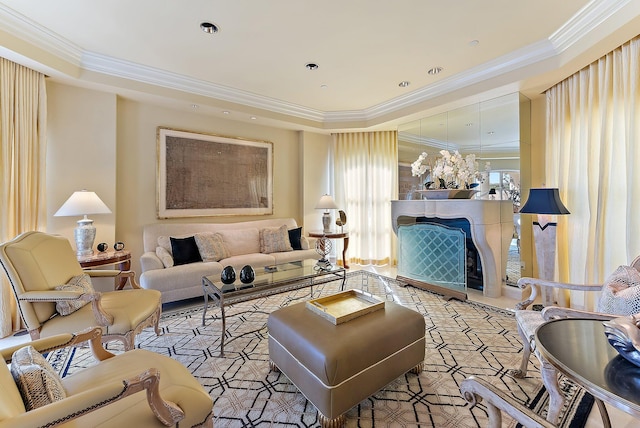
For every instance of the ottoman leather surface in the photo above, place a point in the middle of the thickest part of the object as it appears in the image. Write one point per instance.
(337, 366)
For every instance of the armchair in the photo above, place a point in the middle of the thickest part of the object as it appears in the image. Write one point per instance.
(475, 390)
(528, 321)
(110, 393)
(37, 263)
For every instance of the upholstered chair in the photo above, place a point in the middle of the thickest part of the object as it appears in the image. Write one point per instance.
(137, 388)
(55, 295)
(475, 390)
(528, 321)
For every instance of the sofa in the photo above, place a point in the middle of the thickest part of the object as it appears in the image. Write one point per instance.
(177, 255)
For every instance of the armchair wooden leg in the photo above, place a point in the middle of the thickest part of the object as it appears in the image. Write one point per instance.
(526, 353)
(550, 381)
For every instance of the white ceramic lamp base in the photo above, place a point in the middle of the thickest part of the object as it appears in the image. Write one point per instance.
(84, 235)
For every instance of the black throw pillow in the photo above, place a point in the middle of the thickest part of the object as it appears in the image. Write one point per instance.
(185, 251)
(294, 238)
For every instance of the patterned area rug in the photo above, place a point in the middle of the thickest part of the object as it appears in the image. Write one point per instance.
(463, 339)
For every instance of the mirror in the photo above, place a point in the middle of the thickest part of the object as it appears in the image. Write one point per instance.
(492, 130)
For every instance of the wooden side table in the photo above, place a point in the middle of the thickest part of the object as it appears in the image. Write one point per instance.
(335, 235)
(122, 260)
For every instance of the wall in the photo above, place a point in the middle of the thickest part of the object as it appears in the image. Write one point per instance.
(108, 144)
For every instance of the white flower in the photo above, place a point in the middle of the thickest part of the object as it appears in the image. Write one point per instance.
(454, 170)
(417, 168)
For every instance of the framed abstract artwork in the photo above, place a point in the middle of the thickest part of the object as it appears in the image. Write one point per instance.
(202, 174)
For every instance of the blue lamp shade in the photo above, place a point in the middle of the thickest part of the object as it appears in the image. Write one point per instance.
(544, 201)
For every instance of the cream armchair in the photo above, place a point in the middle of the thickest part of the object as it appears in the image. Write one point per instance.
(36, 263)
(528, 321)
(134, 389)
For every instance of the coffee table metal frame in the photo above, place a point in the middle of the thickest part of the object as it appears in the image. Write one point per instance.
(270, 280)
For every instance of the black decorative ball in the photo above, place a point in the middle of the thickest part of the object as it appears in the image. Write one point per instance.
(118, 246)
(102, 247)
(247, 274)
(228, 275)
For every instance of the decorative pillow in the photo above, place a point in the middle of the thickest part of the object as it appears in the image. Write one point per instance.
(165, 242)
(294, 238)
(211, 246)
(81, 283)
(38, 382)
(274, 240)
(241, 241)
(165, 256)
(621, 292)
(184, 250)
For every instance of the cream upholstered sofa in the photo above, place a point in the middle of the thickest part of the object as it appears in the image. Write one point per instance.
(241, 245)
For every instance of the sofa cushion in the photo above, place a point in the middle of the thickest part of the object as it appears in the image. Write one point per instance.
(211, 246)
(294, 238)
(241, 241)
(184, 250)
(38, 382)
(165, 256)
(80, 283)
(274, 240)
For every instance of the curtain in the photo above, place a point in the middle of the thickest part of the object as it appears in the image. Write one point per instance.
(593, 157)
(22, 165)
(366, 180)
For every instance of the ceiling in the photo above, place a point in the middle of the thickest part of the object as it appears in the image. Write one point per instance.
(254, 66)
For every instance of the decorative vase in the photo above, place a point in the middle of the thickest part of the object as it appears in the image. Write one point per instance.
(228, 275)
(102, 247)
(247, 274)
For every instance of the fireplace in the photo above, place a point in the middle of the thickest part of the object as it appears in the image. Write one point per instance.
(487, 226)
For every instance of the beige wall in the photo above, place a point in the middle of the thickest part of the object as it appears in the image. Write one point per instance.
(81, 154)
(108, 144)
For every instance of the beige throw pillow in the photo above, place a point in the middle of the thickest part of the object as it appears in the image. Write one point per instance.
(38, 382)
(275, 240)
(80, 283)
(165, 256)
(211, 246)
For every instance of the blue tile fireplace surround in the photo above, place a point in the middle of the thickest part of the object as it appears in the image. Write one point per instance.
(451, 244)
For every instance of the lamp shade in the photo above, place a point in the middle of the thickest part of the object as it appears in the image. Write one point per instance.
(544, 201)
(326, 202)
(82, 202)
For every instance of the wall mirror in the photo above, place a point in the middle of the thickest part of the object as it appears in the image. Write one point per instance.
(492, 130)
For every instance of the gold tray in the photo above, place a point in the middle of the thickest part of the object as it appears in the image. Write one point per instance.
(345, 306)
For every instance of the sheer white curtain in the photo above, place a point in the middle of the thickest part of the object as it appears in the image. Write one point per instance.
(23, 106)
(593, 157)
(366, 180)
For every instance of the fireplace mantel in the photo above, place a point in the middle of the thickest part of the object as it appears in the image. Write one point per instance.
(491, 225)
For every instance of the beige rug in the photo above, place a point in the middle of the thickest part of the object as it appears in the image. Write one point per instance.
(463, 339)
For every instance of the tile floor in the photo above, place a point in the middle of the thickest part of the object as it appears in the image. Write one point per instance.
(618, 418)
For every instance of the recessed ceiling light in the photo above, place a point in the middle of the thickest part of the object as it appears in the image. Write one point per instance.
(194, 106)
(490, 132)
(468, 124)
(253, 118)
(312, 66)
(435, 70)
(225, 112)
(324, 86)
(208, 27)
(404, 84)
(474, 42)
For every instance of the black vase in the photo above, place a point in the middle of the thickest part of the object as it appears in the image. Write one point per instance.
(228, 275)
(247, 274)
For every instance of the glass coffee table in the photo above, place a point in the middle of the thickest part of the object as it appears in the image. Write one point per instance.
(269, 280)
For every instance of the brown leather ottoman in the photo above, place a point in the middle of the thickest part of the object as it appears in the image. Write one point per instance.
(337, 366)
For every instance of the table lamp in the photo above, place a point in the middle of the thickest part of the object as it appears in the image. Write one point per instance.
(546, 203)
(83, 203)
(326, 203)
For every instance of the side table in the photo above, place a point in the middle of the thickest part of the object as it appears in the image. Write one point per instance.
(335, 235)
(122, 260)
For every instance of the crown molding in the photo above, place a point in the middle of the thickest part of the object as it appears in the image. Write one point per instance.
(594, 13)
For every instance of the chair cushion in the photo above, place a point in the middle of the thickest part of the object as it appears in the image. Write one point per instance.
(529, 321)
(274, 240)
(211, 246)
(80, 283)
(621, 292)
(37, 381)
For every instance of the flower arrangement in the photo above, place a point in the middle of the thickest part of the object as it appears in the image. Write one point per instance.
(454, 171)
(417, 168)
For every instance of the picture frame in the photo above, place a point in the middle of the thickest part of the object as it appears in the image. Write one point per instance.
(200, 174)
